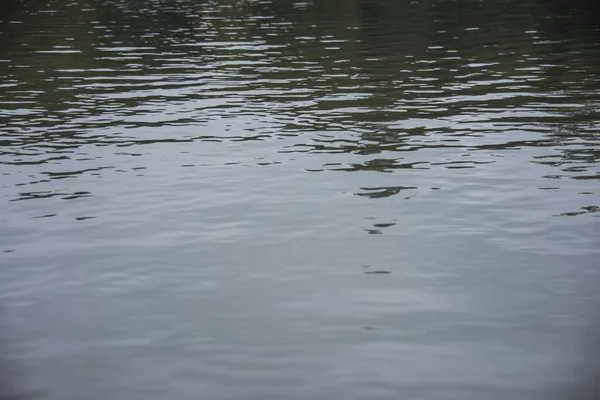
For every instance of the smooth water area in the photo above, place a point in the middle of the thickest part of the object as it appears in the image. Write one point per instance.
(345, 199)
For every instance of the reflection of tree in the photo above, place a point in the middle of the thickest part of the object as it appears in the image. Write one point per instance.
(10, 10)
(573, 137)
(380, 192)
(376, 76)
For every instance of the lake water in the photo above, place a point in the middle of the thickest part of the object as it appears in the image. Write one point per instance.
(345, 199)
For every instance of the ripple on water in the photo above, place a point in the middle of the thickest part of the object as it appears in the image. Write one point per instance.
(188, 191)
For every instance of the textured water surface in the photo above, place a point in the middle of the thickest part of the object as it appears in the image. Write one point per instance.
(271, 199)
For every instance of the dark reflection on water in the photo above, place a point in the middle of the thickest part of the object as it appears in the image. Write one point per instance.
(275, 199)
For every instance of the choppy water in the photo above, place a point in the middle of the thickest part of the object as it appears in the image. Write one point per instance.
(298, 200)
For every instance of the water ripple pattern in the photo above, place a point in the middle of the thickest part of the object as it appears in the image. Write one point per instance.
(271, 199)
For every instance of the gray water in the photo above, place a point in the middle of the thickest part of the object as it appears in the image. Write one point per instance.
(367, 199)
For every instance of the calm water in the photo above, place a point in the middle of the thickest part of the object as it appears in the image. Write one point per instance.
(272, 199)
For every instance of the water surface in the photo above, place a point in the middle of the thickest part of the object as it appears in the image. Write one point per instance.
(271, 199)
